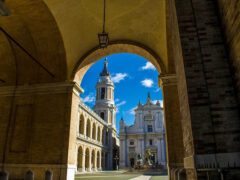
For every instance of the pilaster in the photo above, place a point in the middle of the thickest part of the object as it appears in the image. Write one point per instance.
(172, 121)
(51, 109)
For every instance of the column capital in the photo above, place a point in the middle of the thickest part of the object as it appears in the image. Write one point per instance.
(167, 80)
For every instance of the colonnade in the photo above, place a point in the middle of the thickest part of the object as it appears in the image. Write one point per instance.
(91, 159)
(93, 129)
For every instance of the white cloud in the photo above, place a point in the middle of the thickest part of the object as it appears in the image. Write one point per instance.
(157, 90)
(131, 111)
(147, 82)
(160, 101)
(118, 77)
(116, 100)
(118, 105)
(89, 98)
(148, 65)
(121, 103)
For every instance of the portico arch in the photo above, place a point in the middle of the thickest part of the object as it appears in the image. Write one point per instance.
(80, 158)
(174, 135)
(66, 45)
(120, 46)
(87, 158)
(93, 160)
(98, 160)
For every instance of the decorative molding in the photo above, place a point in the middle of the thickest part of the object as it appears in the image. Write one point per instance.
(167, 80)
(220, 160)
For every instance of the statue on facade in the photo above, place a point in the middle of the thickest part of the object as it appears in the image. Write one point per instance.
(148, 155)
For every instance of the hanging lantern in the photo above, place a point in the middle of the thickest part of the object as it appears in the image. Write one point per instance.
(103, 37)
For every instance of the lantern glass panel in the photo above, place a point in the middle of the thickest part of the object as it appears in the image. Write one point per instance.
(103, 39)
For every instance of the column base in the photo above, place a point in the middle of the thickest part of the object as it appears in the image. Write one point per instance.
(177, 173)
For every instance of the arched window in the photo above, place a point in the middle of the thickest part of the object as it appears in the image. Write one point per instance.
(102, 93)
(88, 128)
(94, 131)
(98, 134)
(103, 136)
(102, 115)
(106, 137)
(87, 159)
(93, 159)
(81, 125)
(80, 158)
(98, 160)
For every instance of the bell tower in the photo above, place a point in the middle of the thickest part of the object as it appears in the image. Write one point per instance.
(104, 105)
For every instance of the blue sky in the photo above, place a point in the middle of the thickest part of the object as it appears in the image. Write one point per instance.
(133, 77)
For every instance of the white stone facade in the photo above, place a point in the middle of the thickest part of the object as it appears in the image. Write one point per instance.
(147, 132)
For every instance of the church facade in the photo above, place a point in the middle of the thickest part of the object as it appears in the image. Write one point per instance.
(97, 142)
(147, 132)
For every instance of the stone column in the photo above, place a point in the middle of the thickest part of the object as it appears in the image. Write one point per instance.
(172, 120)
(159, 150)
(95, 163)
(100, 159)
(83, 160)
(103, 160)
(90, 160)
(122, 152)
(100, 135)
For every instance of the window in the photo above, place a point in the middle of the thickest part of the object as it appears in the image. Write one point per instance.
(150, 142)
(150, 129)
(102, 115)
(102, 93)
(131, 142)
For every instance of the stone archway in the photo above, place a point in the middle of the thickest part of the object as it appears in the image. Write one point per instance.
(87, 159)
(80, 159)
(174, 30)
(168, 83)
(98, 160)
(93, 160)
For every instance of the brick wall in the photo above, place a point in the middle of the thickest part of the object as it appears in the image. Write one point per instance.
(211, 96)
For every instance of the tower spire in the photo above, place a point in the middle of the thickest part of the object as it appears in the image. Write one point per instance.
(149, 100)
(139, 103)
(105, 71)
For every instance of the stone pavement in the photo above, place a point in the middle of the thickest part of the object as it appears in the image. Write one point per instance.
(118, 175)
